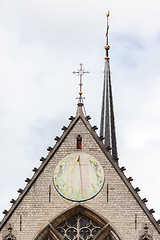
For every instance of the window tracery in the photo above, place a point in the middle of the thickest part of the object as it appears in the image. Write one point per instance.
(79, 227)
(83, 224)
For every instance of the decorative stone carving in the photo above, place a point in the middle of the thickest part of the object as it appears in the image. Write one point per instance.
(9, 235)
(79, 227)
(145, 235)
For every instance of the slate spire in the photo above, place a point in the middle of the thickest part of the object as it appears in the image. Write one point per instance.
(107, 124)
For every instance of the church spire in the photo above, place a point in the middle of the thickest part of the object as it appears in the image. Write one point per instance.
(107, 125)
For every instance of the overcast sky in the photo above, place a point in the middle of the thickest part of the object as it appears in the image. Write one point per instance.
(41, 43)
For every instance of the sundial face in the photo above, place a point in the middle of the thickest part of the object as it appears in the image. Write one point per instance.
(78, 177)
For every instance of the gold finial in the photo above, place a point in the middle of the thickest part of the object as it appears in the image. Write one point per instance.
(108, 14)
(107, 47)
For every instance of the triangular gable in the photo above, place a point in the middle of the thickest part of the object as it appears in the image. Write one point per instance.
(91, 129)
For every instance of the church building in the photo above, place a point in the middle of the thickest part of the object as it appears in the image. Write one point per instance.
(79, 192)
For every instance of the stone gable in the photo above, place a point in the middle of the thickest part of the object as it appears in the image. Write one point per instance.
(115, 202)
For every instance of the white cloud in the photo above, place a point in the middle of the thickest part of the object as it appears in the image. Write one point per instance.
(41, 43)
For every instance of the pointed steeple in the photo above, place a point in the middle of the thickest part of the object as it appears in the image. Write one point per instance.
(107, 125)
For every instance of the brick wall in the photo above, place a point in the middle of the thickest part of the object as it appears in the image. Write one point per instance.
(120, 210)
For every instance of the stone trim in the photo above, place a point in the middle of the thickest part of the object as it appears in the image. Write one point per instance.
(50, 228)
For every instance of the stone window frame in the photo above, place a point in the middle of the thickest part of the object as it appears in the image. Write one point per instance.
(50, 231)
(79, 142)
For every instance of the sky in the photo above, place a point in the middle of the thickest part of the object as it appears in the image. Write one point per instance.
(41, 43)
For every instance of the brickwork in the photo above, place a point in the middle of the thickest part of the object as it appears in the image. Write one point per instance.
(120, 210)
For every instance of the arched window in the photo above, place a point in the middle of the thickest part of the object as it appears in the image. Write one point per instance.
(79, 227)
(79, 142)
(78, 223)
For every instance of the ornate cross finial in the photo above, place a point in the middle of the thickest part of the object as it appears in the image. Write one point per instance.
(107, 15)
(9, 234)
(107, 47)
(10, 228)
(146, 235)
(80, 73)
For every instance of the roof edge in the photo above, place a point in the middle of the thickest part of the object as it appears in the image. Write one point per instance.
(91, 129)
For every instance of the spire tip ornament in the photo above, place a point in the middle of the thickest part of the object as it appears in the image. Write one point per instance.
(80, 73)
(107, 47)
(108, 14)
